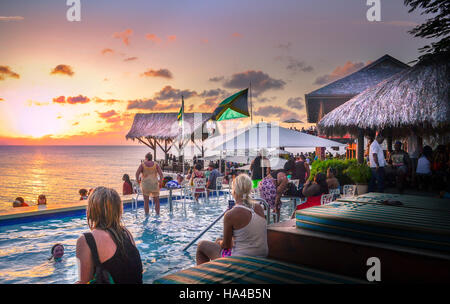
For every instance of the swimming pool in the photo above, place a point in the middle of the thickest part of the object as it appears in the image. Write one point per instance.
(25, 248)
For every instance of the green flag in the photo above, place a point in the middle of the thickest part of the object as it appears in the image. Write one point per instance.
(180, 115)
(235, 106)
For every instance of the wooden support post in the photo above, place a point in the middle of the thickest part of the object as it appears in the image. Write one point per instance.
(360, 154)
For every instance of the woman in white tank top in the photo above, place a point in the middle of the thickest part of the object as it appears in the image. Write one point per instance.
(244, 228)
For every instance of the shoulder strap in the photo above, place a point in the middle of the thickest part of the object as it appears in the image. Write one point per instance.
(91, 243)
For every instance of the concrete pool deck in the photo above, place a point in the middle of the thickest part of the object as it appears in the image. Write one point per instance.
(35, 212)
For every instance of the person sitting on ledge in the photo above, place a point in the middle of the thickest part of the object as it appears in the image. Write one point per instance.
(127, 187)
(20, 202)
(332, 181)
(244, 228)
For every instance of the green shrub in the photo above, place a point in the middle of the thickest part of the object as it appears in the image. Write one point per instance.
(338, 164)
(358, 173)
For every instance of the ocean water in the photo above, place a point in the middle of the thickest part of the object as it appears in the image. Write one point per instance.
(60, 171)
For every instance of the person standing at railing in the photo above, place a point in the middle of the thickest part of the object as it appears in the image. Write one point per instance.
(244, 228)
(149, 183)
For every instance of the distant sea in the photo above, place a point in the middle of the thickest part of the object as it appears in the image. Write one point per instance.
(60, 171)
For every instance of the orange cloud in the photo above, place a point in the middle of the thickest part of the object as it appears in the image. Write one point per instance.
(165, 73)
(107, 101)
(236, 35)
(130, 59)
(153, 37)
(11, 18)
(125, 36)
(62, 69)
(5, 71)
(106, 51)
(1, 99)
(71, 100)
(339, 72)
(171, 38)
(107, 114)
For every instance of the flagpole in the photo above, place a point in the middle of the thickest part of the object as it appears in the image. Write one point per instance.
(182, 129)
(251, 104)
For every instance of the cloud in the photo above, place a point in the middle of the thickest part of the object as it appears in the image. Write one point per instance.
(71, 100)
(296, 103)
(216, 79)
(107, 101)
(287, 46)
(260, 81)
(130, 59)
(280, 112)
(236, 35)
(296, 66)
(173, 95)
(153, 38)
(125, 36)
(75, 123)
(5, 71)
(1, 99)
(106, 51)
(107, 114)
(204, 40)
(172, 38)
(150, 104)
(11, 18)
(164, 73)
(339, 72)
(62, 69)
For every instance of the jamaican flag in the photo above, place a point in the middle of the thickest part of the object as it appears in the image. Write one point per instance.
(235, 106)
(180, 115)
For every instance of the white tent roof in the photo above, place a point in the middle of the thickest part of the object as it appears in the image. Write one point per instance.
(265, 135)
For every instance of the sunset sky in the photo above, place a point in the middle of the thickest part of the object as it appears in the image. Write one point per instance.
(82, 82)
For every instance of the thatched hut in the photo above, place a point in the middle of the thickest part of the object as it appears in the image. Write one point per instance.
(162, 129)
(415, 101)
(325, 99)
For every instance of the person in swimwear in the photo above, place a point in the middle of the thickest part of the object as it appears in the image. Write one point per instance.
(244, 228)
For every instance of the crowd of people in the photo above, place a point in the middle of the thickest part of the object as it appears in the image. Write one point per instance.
(423, 170)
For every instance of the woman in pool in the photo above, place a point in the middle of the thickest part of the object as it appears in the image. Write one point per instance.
(42, 200)
(149, 183)
(109, 241)
(197, 173)
(19, 202)
(57, 252)
(244, 228)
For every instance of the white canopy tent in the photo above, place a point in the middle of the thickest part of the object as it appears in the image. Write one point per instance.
(265, 136)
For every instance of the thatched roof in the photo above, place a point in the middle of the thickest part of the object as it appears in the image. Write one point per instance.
(414, 100)
(164, 125)
(332, 95)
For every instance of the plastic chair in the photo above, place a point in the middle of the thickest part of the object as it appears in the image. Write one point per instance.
(219, 188)
(326, 198)
(349, 190)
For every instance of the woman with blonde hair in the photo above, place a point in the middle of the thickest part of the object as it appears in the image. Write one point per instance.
(244, 228)
(109, 249)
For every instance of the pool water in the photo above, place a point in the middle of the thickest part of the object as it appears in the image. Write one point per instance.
(25, 248)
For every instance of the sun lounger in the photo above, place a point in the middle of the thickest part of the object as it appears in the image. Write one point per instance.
(251, 270)
(411, 227)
